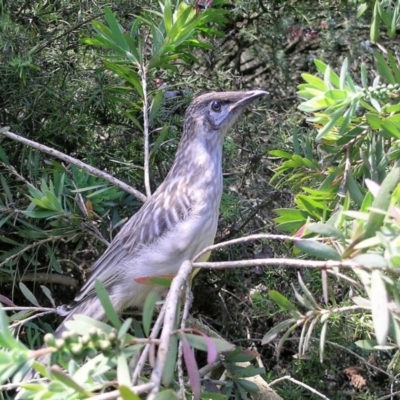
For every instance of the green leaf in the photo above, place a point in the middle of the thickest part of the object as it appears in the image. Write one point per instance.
(364, 76)
(337, 94)
(168, 394)
(343, 73)
(123, 373)
(170, 364)
(383, 68)
(248, 385)
(318, 83)
(382, 202)
(47, 293)
(391, 127)
(394, 66)
(280, 153)
(127, 394)
(156, 105)
(40, 214)
(333, 77)
(148, 311)
(334, 118)
(325, 230)
(367, 344)
(6, 189)
(376, 22)
(322, 340)
(284, 303)
(370, 260)
(317, 249)
(117, 35)
(160, 139)
(315, 104)
(200, 343)
(273, 333)
(167, 15)
(380, 307)
(241, 355)
(28, 294)
(361, 9)
(107, 305)
(213, 396)
(354, 190)
(125, 73)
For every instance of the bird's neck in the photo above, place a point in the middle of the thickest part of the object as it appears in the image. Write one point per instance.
(198, 166)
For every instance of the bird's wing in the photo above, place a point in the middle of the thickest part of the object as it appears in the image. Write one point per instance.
(156, 217)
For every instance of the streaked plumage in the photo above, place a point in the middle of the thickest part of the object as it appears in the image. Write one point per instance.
(178, 220)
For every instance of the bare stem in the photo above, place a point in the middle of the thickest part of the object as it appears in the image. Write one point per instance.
(288, 262)
(88, 168)
(171, 304)
(309, 388)
(146, 132)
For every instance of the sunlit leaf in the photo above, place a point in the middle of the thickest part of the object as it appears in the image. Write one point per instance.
(380, 310)
(318, 249)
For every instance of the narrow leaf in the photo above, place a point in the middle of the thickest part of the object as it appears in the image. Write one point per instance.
(107, 305)
(28, 294)
(317, 249)
(380, 310)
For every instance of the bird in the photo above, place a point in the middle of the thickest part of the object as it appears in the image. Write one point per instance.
(178, 221)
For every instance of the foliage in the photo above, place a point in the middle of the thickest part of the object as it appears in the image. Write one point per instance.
(347, 179)
(55, 91)
(108, 353)
(385, 12)
(70, 201)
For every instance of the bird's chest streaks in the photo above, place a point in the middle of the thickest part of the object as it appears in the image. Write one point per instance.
(166, 255)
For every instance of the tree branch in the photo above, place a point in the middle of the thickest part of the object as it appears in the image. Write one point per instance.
(88, 168)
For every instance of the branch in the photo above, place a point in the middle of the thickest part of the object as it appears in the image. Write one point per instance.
(116, 394)
(43, 277)
(146, 131)
(171, 303)
(154, 334)
(259, 236)
(88, 168)
(288, 262)
(289, 378)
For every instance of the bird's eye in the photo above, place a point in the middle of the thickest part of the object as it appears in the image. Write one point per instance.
(216, 106)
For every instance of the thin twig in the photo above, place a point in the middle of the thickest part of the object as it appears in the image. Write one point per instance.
(34, 244)
(146, 131)
(47, 42)
(45, 278)
(171, 303)
(115, 394)
(209, 368)
(42, 309)
(259, 236)
(288, 262)
(369, 365)
(185, 314)
(88, 168)
(289, 378)
(143, 357)
(16, 324)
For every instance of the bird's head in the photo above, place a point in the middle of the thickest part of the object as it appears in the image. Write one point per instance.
(215, 113)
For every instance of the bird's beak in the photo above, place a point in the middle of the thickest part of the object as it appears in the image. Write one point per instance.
(247, 98)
